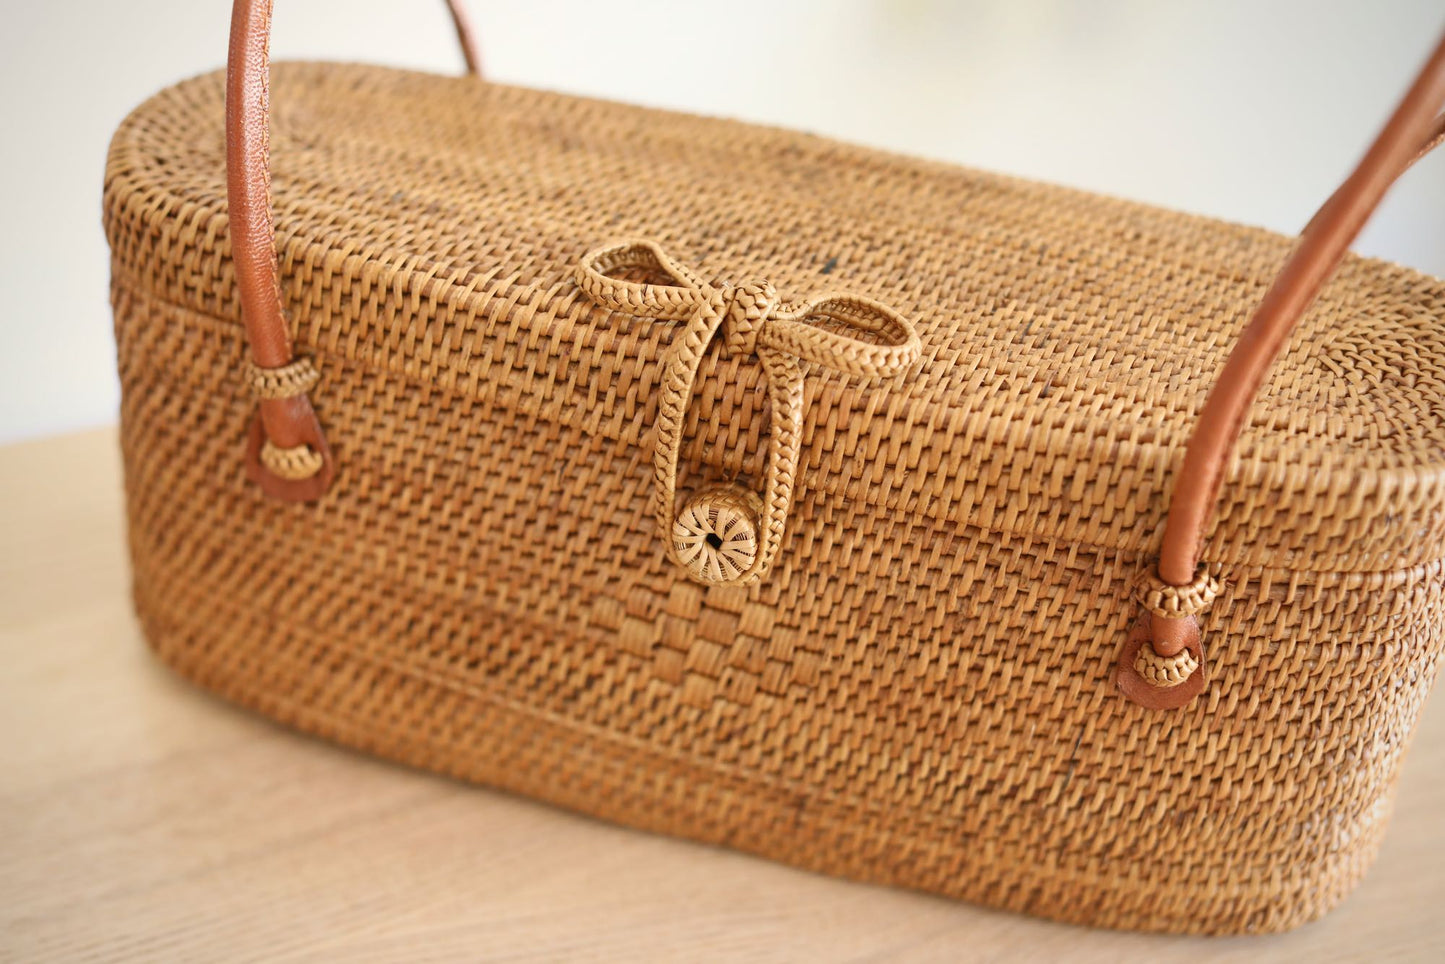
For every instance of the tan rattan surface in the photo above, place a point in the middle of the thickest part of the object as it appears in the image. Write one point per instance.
(918, 692)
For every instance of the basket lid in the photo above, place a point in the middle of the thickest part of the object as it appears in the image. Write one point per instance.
(433, 225)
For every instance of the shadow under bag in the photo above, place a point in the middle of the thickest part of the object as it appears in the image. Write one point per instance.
(880, 516)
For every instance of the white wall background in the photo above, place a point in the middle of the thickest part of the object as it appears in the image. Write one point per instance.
(1250, 110)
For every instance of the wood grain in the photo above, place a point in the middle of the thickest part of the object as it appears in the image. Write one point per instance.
(141, 819)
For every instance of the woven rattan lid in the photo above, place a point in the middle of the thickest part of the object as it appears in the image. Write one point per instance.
(432, 226)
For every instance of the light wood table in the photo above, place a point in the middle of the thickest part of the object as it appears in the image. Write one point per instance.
(140, 818)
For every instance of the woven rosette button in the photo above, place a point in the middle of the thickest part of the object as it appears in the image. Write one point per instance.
(715, 534)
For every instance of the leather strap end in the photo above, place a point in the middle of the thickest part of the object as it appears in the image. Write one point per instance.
(288, 424)
(1168, 637)
(286, 453)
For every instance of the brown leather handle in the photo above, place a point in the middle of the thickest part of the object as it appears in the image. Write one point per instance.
(288, 455)
(1412, 131)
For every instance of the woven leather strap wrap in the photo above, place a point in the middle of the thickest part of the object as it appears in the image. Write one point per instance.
(287, 381)
(295, 463)
(1176, 602)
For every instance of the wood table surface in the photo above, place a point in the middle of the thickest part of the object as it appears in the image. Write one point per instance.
(143, 819)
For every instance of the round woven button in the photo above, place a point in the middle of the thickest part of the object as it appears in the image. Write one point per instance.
(715, 534)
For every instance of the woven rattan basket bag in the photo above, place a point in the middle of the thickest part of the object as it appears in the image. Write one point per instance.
(891, 519)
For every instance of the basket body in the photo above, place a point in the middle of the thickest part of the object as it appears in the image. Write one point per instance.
(919, 693)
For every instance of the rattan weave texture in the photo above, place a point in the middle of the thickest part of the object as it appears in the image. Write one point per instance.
(918, 692)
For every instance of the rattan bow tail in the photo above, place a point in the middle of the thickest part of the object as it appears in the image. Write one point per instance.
(728, 533)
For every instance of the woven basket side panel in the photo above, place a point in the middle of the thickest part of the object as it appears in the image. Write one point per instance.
(904, 700)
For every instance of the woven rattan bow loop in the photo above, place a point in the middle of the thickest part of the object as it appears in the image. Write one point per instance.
(727, 533)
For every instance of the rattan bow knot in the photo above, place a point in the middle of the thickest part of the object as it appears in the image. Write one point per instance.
(721, 539)
(748, 307)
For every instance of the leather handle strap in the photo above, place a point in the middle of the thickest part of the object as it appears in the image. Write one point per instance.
(1433, 139)
(1436, 138)
(1412, 131)
(288, 454)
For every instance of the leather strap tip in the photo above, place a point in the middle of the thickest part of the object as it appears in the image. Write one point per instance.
(295, 476)
(1150, 694)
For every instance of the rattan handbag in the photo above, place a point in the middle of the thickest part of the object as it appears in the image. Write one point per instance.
(931, 560)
